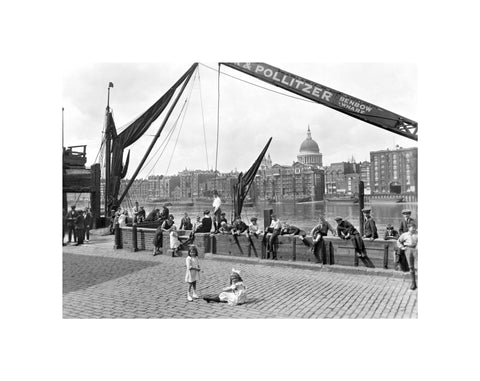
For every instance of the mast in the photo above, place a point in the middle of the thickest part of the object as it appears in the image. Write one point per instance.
(108, 143)
(157, 135)
(63, 144)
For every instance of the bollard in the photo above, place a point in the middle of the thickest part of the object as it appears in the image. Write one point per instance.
(385, 257)
(134, 237)
(332, 254)
(294, 249)
(323, 249)
(118, 237)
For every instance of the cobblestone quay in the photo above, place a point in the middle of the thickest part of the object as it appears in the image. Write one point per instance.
(101, 282)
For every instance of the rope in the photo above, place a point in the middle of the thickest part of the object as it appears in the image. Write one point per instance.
(203, 118)
(185, 105)
(262, 87)
(166, 140)
(178, 135)
(218, 122)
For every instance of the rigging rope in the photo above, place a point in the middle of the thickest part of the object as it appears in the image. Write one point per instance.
(253, 84)
(218, 122)
(203, 118)
(168, 137)
(178, 135)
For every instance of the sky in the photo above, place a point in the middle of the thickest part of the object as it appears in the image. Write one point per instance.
(247, 114)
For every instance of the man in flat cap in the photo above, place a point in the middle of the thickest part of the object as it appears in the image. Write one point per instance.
(71, 218)
(275, 228)
(253, 228)
(346, 230)
(369, 227)
(317, 233)
(407, 242)
(407, 219)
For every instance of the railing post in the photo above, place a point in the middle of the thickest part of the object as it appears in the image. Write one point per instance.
(134, 237)
(118, 237)
(385, 257)
(294, 249)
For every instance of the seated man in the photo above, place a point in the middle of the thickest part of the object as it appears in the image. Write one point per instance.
(253, 228)
(369, 227)
(223, 218)
(318, 232)
(288, 229)
(275, 228)
(141, 215)
(346, 230)
(225, 228)
(186, 223)
(238, 226)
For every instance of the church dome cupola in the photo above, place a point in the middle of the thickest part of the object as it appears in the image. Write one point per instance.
(309, 151)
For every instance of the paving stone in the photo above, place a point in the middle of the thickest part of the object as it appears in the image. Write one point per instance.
(101, 282)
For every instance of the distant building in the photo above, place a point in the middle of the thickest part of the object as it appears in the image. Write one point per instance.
(342, 179)
(194, 184)
(309, 152)
(223, 184)
(304, 179)
(394, 171)
(365, 169)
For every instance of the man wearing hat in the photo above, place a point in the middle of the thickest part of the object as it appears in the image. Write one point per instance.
(80, 227)
(407, 242)
(346, 230)
(223, 218)
(71, 217)
(253, 228)
(407, 219)
(317, 233)
(276, 228)
(238, 226)
(369, 227)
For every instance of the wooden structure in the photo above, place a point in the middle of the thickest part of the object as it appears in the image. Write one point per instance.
(79, 179)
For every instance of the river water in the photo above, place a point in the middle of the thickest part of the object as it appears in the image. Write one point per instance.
(303, 215)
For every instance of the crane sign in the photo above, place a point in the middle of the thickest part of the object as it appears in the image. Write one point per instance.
(329, 97)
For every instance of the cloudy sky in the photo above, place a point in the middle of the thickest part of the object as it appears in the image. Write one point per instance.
(248, 114)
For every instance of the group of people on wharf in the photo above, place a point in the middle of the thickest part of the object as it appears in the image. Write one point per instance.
(77, 224)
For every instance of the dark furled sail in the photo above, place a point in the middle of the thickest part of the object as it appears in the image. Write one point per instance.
(130, 135)
(241, 188)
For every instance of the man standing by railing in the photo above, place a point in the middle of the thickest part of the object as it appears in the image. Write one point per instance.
(408, 243)
(71, 218)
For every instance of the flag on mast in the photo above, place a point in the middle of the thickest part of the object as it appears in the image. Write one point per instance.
(110, 84)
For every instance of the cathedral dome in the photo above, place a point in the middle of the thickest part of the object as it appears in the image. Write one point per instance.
(309, 145)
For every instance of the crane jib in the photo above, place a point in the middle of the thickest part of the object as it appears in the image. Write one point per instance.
(337, 100)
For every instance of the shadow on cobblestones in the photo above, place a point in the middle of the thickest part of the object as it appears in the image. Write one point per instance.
(82, 271)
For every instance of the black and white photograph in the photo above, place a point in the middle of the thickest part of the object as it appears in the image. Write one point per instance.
(243, 186)
(240, 190)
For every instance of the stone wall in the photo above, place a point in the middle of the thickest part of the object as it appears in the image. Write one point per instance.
(290, 248)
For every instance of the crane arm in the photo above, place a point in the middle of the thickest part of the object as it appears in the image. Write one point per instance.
(329, 97)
